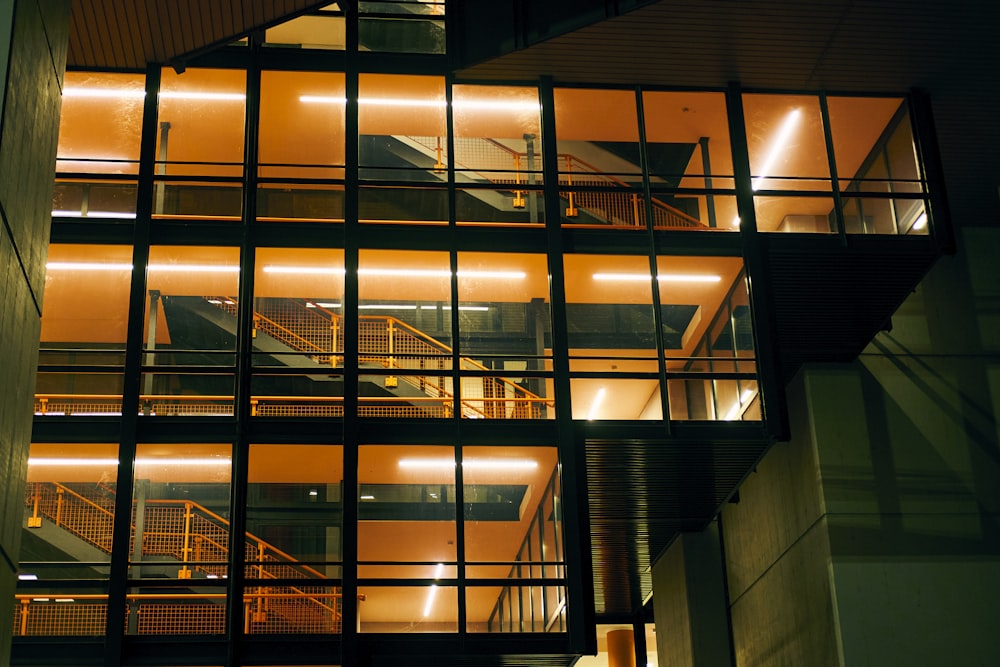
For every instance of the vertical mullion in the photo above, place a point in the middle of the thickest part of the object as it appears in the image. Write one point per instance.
(576, 525)
(351, 434)
(661, 364)
(772, 386)
(120, 552)
(244, 363)
(838, 209)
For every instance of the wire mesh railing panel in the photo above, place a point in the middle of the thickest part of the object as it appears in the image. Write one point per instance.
(286, 610)
(80, 407)
(44, 617)
(292, 408)
(181, 618)
(298, 326)
(83, 510)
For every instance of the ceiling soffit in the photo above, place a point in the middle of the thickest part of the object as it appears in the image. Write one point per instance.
(129, 34)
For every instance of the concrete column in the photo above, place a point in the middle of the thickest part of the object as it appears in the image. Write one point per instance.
(621, 648)
(33, 39)
(689, 605)
(873, 536)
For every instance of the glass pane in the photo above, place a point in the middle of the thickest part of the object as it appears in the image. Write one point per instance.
(181, 501)
(786, 142)
(406, 511)
(397, 115)
(100, 123)
(598, 136)
(609, 304)
(324, 29)
(84, 322)
(314, 610)
(873, 144)
(409, 26)
(201, 114)
(69, 510)
(485, 206)
(407, 205)
(408, 608)
(176, 609)
(687, 140)
(304, 481)
(513, 529)
(298, 329)
(404, 302)
(504, 321)
(44, 611)
(497, 134)
(801, 215)
(301, 124)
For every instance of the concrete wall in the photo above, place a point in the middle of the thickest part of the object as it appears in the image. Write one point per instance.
(33, 38)
(873, 536)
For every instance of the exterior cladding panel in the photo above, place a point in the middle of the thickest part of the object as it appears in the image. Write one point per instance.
(33, 37)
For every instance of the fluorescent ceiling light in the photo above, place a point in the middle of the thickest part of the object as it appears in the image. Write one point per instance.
(784, 133)
(388, 306)
(474, 105)
(734, 412)
(921, 221)
(479, 309)
(117, 215)
(367, 497)
(88, 266)
(196, 461)
(132, 93)
(469, 464)
(121, 266)
(394, 273)
(596, 404)
(27, 577)
(664, 277)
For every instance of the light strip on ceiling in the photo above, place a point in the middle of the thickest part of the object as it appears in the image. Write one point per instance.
(472, 105)
(394, 273)
(121, 266)
(920, 222)
(125, 93)
(734, 412)
(663, 277)
(69, 461)
(468, 464)
(117, 215)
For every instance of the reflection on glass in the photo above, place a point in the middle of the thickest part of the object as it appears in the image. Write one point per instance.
(181, 504)
(84, 321)
(431, 608)
(405, 205)
(100, 123)
(786, 142)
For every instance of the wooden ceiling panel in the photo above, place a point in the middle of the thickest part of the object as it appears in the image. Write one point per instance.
(123, 34)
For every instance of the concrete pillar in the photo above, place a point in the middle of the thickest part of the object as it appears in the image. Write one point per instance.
(689, 605)
(621, 648)
(873, 536)
(33, 40)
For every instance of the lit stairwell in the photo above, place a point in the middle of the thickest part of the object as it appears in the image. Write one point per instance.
(386, 342)
(606, 199)
(179, 539)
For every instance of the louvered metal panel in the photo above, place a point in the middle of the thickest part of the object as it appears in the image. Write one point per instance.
(128, 34)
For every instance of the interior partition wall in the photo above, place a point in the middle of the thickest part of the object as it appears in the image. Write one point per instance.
(316, 338)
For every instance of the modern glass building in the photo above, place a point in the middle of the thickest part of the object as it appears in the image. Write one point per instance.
(348, 356)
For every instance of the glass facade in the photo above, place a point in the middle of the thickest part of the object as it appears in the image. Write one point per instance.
(353, 326)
